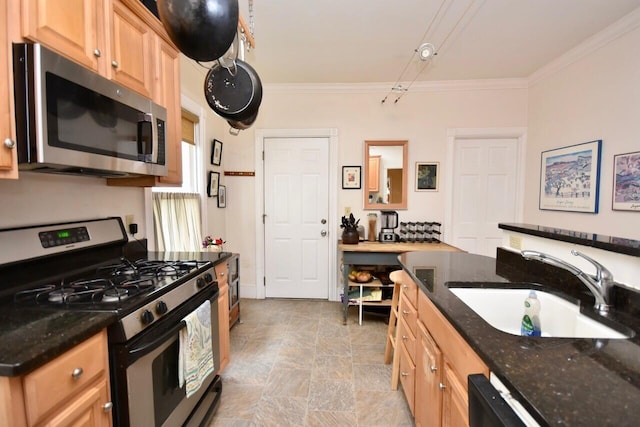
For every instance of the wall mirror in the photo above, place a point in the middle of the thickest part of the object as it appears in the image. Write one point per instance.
(385, 174)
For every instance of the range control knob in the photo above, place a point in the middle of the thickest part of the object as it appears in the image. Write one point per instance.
(146, 317)
(161, 308)
(200, 282)
(208, 278)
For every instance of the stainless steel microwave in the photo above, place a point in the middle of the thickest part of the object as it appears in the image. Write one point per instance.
(71, 120)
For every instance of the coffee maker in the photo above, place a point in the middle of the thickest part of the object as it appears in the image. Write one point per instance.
(388, 224)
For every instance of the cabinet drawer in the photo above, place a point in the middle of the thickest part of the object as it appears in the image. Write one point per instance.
(408, 339)
(407, 377)
(409, 288)
(409, 314)
(55, 382)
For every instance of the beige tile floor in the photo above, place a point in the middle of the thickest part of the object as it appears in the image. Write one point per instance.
(293, 363)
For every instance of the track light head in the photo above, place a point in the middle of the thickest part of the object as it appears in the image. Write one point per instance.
(426, 51)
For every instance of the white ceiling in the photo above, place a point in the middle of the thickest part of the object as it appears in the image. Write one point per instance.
(368, 41)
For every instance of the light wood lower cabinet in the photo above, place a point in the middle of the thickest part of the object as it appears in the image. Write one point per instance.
(428, 379)
(443, 360)
(222, 276)
(71, 390)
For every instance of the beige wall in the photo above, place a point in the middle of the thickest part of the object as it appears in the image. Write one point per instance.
(597, 97)
(37, 198)
(420, 117)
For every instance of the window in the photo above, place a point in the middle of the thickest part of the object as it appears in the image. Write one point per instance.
(176, 210)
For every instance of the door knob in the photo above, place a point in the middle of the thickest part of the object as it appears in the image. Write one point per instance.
(323, 233)
(323, 221)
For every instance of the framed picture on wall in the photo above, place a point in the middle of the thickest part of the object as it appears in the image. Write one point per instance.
(570, 177)
(427, 176)
(626, 182)
(222, 196)
(216, 152)
(351, 177)
(213, 184)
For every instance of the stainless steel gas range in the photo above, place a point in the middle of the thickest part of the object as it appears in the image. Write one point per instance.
(85, 265)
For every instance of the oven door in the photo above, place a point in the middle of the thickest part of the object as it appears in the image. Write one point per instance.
(151, 395)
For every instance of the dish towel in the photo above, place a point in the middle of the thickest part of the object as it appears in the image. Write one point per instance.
(195, 358)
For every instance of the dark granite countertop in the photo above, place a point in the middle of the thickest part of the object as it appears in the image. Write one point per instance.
(30, 337)
(560, 381)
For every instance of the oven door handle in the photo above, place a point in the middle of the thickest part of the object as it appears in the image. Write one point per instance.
(138, 352)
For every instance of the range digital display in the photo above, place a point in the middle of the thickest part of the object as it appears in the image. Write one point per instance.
(53, 238)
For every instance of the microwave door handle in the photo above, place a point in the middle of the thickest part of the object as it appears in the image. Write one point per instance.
(145, 119)
(154, 139)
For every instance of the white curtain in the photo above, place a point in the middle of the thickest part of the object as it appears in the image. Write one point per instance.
(177, 221)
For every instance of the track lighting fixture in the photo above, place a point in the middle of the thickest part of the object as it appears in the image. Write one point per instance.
(426, 51)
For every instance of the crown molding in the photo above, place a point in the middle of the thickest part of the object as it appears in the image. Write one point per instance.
(382, 88)
(619, 28)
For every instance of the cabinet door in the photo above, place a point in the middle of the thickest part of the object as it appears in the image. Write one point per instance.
(131, 55)
(72, 27)
(407, 377)
(8, 160)
(88, 409)
(167, 94)
(455, 405)
(374, 174)
(223, 317)
(428, 397)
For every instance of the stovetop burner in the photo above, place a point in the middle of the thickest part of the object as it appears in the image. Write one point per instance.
(110, 285)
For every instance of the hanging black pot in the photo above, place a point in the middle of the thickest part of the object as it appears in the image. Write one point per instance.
(243, 124)
(233, 96)
(202, 29)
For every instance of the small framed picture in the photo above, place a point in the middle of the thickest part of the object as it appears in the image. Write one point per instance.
(213, 184)
(427, 176)
(626, 182)
(222, 196)
(351, 177)
(570, 178)
(216, 153)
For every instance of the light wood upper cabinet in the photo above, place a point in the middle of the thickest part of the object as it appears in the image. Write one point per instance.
(131, 55)
(8, 158)
(167, 93)
(75, 28)
(374, 174)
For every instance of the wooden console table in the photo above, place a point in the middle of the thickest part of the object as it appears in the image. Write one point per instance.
(377, 253)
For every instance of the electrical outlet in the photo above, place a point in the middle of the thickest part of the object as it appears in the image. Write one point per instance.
(515, 242)
(347, 210)
(129, 219)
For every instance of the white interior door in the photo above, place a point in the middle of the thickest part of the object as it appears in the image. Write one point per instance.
(484, 192)
(296, 200)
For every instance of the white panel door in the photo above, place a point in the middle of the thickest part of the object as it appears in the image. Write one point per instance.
(484, 192)
(296, 181)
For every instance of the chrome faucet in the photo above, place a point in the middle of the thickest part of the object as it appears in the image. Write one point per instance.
(600, 285)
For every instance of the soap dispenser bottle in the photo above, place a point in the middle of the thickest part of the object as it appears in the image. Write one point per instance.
(531, 320)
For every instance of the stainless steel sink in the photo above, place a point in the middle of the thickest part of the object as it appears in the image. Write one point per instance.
(503, 309)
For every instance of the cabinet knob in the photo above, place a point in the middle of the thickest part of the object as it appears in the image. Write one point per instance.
(432, 368)
(405, 312)
(97, 53)
(404, 374)
(115, 64)
(9, 143)
(404, 337)
(77, 373)
(107, 407)
(441, 386)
